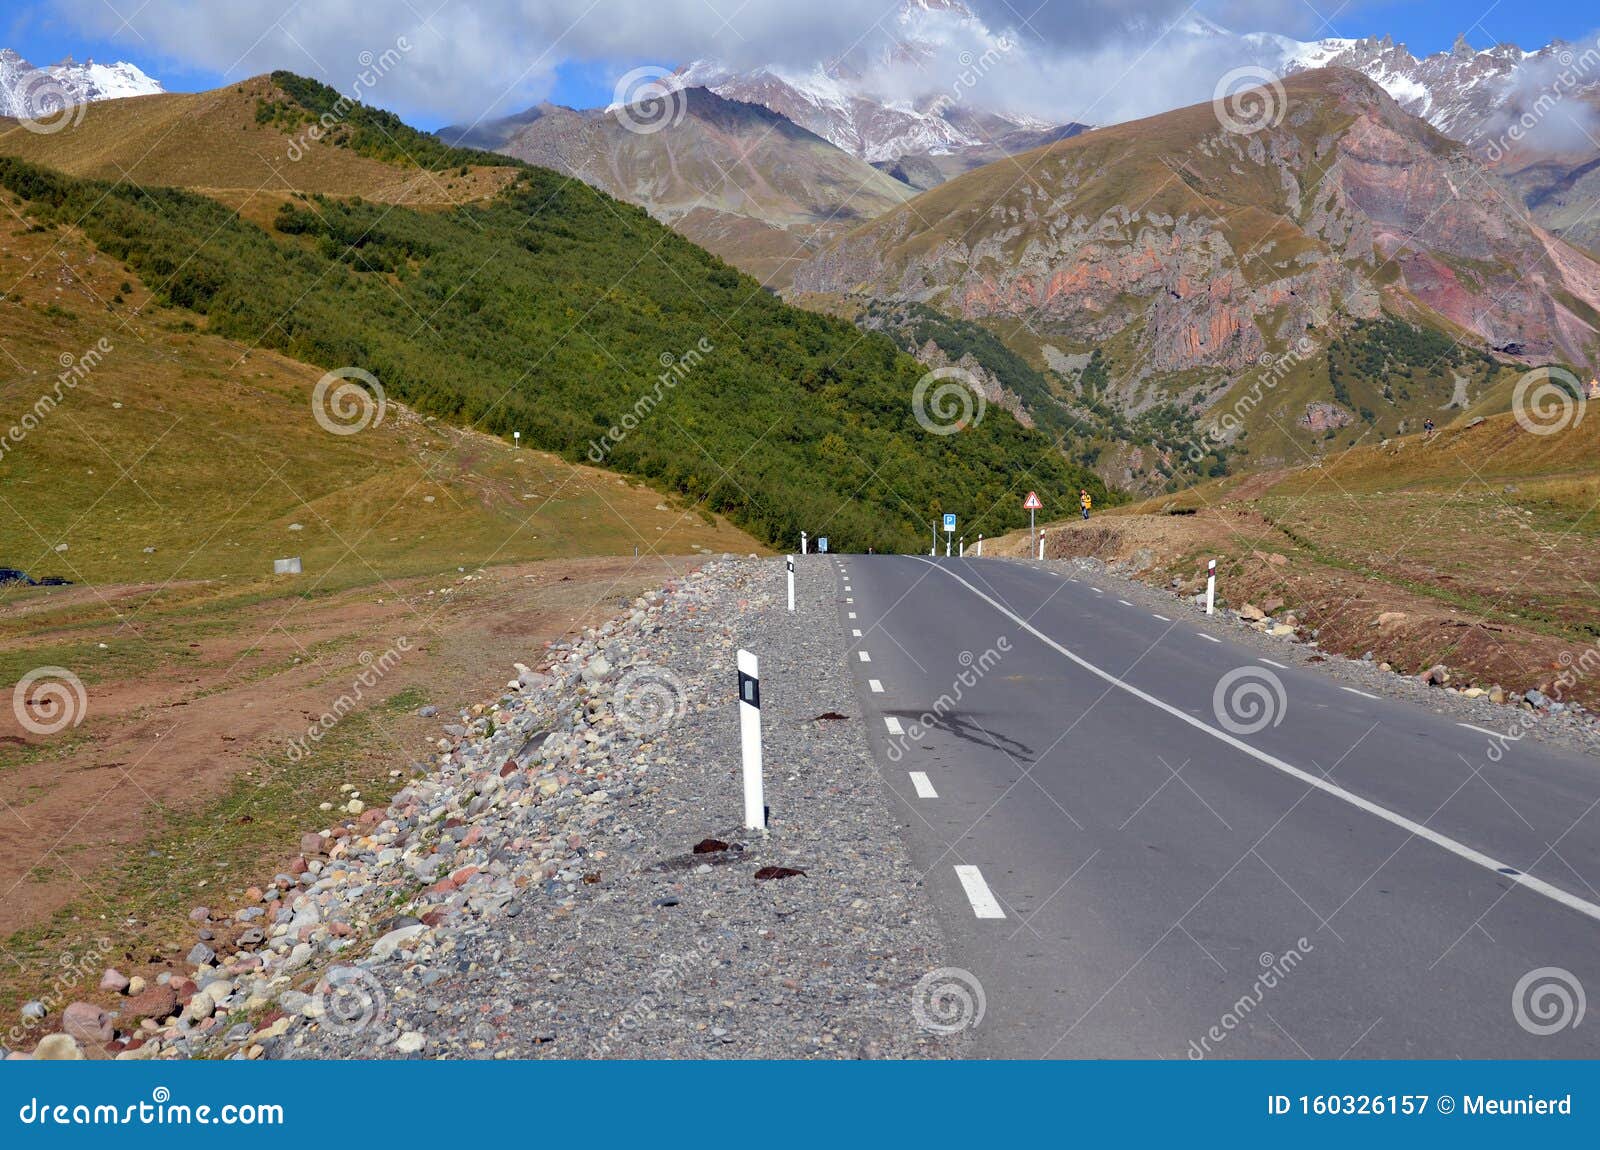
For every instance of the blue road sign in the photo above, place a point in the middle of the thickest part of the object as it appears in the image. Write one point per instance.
(822, 544)
(949, 523)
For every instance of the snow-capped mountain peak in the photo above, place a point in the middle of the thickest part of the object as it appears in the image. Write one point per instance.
(27, 92)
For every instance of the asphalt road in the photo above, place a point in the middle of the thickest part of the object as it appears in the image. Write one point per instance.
(1131, 860)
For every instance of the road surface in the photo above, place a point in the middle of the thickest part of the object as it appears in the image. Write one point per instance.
(1145, 840)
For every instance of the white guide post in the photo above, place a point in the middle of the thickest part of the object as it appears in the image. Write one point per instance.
(755, 803)
(980, 545)
(1041, 545)
(789, 559)
(1211, 587)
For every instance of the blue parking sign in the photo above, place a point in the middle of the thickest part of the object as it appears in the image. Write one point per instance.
(949, 523)
(822, 544)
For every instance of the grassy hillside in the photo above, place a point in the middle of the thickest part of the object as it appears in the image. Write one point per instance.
(555, 311)
(176, 455)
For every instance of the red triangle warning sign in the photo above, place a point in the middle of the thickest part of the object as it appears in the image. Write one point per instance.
(1031, 503)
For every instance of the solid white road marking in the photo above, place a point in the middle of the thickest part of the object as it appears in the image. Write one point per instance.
(1209, 638)
(984, 904)
(1421, 831)
(894, 725)
(877, 687)
(924, 788)
(865, 658)
(1163, 618)
(1487, 731)
(1353, 691)
(855, 632)
(1270, 663)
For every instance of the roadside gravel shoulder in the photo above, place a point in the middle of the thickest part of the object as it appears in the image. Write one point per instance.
(567, 913)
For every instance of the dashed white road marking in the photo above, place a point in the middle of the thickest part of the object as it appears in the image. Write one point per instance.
(855, 632)
(877, 687)
(1485, 731)
(984, 904)
(1125, 603)
(1208, 638)
(1163, 618)
(1353, 691)
(852, 614)
(894, 725)
(1411, 826)
(1097, 591)
(924, 788)
(865, 658)
(1270, 663)
(849, 600)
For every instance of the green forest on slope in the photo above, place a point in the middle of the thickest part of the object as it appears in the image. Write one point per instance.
(553, 310)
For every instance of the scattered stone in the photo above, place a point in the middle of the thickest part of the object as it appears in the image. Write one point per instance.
(410, 1042)
(770, 873)
(200, 955)
(58, 1048)
(114, 981)
(1437, 675)
(156, 1002)
(87, 1023)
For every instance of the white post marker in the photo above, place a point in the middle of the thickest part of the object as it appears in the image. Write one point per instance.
(1041, 545)
(802, 542)
(790, 559)
(962, 552)
(1211, 587)
(755, 803)
(980, 545)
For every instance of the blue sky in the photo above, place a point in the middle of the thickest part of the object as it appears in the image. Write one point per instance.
(581, 69)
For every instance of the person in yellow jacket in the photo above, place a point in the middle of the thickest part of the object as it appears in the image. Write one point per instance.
(1085, 501)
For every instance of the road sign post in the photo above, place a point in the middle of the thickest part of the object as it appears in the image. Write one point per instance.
(822, 544)
(1032, 503)
(949, 530)
(755, 803)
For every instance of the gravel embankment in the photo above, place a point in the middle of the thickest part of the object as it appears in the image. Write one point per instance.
(1568, 726)
(537, 892)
